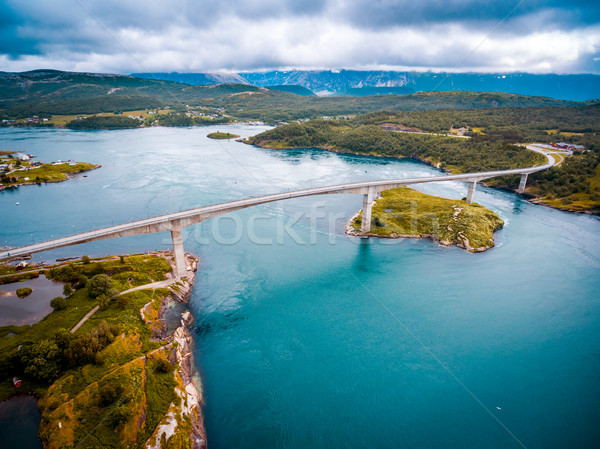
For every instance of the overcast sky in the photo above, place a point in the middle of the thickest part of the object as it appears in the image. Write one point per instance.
(537, 36)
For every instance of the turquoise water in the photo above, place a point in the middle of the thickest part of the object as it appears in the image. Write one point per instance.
(308, 338)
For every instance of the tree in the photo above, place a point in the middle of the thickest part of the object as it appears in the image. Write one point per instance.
(67, 290)
(82, 281)
(63, 338)
(25, 291)
(101, 285)
(42, 361)
(58, 303)
(85, 259)
(103, 301)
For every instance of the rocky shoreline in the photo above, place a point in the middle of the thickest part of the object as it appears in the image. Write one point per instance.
(188, 387)
(460, 240)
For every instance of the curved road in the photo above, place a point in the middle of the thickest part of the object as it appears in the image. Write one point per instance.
(175, 221)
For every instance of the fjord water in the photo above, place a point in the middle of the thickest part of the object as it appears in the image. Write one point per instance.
(308, 338)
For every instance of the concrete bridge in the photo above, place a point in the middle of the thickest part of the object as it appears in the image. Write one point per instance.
(176, 221)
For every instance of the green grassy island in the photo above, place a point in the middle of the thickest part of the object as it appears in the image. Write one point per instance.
(220, 135)
(17, 172)
(23, 292)
(105, 369)
(406, 213)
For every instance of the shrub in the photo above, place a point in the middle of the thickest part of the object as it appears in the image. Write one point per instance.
(121, 415)
(103, 302)
(122, 301)
(22, 292)
(63, 338)
(82, 281)
(101, 284)
(109, 393)
(85, 259)
(58, 303)
(163, 365)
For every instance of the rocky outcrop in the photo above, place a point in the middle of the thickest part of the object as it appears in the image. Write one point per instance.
(184, 419)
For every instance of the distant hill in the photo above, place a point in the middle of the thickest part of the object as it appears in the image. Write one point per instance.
(362, 83)
(293, 89)
(367, 91)
(50, 92)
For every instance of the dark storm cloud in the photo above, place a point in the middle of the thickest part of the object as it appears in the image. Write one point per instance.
(479, 13)
(201, 35)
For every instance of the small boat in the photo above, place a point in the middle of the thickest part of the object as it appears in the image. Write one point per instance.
(17, 203)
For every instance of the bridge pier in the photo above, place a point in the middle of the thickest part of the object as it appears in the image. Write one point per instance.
(523, 183)
(178, 252)
(471, 191)
(365, 225)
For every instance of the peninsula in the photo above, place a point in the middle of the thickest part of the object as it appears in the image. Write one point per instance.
(17, 169)
(104, 365)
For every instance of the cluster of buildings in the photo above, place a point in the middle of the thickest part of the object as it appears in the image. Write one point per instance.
(568, 146)
(36, 119)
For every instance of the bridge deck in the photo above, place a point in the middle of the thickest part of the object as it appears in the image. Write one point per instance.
(178, 220)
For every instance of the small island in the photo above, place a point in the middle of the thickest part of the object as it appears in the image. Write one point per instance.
(406, 213)
(23, 292)
(17, 169)
(220, 135)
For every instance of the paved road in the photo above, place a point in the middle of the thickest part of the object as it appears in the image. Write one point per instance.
(84, 319)
(163, 223)
(153, 285)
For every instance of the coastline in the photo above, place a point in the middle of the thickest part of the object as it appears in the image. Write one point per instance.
(461, 240)
(180, 343)
(68, 176)
(165, 328)
(529, 197)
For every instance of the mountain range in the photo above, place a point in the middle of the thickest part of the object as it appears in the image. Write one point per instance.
(356, 83)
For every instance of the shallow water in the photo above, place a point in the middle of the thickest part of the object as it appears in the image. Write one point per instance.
(308, 338)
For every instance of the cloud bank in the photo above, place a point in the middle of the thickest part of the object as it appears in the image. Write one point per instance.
(250, 35)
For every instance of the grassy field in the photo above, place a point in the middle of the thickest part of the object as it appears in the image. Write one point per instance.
(404, 212)
(61, 120)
